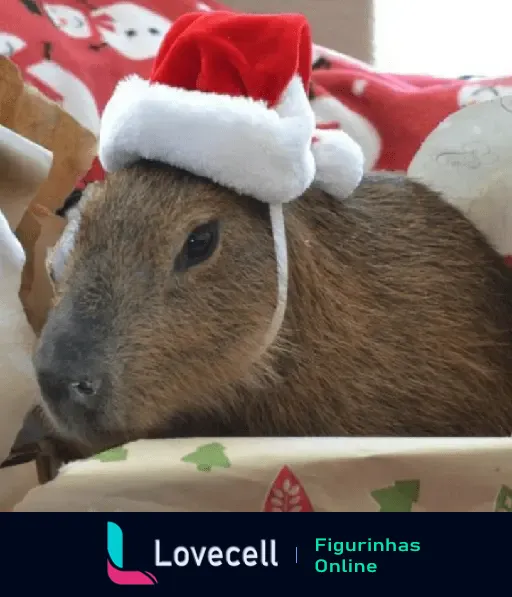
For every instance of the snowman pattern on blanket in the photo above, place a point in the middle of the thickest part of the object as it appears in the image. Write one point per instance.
(330, 109)
(69, 20)
(76, 27)
(133, 31)
(74, 96)
(204, 7)
(10, 44)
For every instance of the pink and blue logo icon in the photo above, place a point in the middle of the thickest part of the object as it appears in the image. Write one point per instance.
(115, 561)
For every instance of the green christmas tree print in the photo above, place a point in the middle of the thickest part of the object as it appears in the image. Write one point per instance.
(399, 497)
(207, 456)
(112, 455)
(503, 501)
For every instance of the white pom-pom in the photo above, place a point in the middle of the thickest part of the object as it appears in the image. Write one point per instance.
(339, 162)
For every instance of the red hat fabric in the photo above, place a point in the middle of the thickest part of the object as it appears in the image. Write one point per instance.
(243, 55)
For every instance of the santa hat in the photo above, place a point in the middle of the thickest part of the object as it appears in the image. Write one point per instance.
(227, 99)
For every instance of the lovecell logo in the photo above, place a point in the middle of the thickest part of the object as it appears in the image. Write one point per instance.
(115, 561)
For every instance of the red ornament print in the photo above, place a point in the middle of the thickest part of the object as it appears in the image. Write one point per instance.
(287, 494)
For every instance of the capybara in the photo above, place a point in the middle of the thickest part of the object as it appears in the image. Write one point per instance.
(398, 320)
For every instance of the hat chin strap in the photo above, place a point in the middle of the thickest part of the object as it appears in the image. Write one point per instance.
(281, 253)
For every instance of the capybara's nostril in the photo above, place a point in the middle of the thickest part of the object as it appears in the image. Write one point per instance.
(84, 390)
(58, 389)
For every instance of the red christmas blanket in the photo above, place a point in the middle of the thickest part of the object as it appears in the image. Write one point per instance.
(75, 51)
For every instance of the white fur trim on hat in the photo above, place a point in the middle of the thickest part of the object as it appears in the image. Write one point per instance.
(235, 141)
(339, 163)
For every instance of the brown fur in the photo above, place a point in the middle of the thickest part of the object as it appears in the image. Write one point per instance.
(398, 322)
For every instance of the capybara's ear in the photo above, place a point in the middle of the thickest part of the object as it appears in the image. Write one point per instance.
(71, 201)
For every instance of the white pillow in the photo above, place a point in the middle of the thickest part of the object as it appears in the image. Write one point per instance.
(18, 387)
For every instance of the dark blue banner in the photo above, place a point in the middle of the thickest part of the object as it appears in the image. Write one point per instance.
(233, 553)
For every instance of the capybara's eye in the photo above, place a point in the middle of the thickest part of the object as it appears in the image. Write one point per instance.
(199, 246)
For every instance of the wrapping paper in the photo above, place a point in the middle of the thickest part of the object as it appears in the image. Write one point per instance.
(286, 475)
(24, 110)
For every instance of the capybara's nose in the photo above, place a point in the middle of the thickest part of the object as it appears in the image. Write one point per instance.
(68, 358)
(57, 387)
